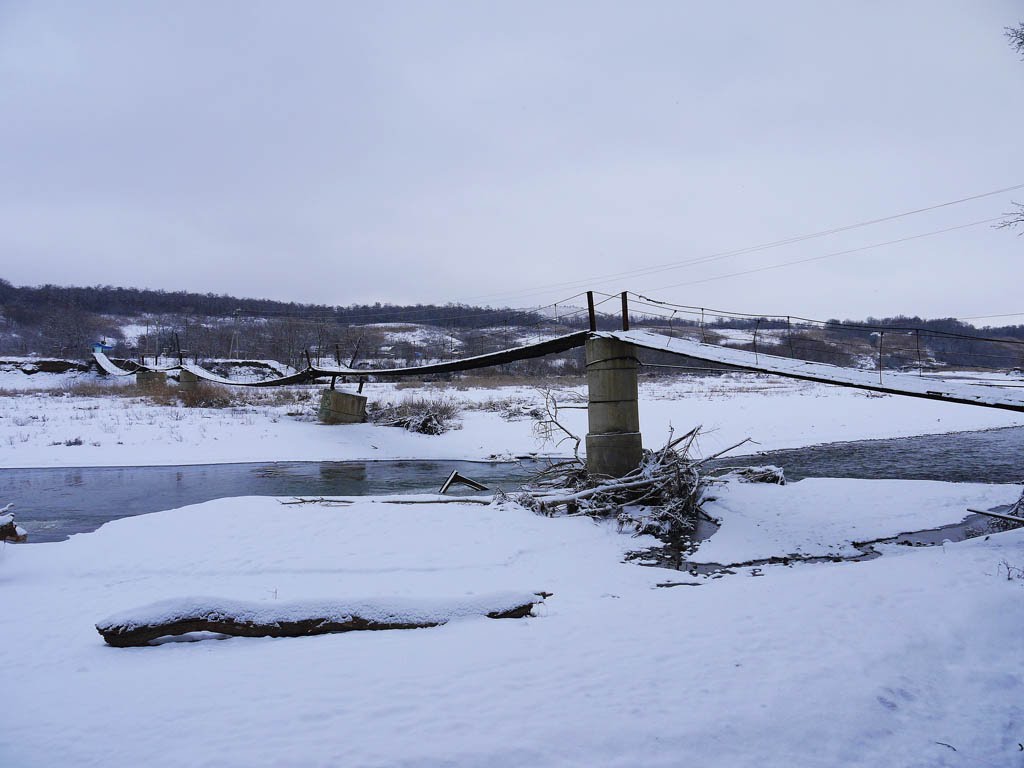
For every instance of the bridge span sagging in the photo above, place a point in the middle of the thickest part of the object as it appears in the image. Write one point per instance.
(889, 383)
(314, 372)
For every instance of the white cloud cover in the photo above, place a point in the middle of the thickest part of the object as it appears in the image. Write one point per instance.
(409, 152)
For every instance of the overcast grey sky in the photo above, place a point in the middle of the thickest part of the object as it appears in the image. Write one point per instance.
(456, 151)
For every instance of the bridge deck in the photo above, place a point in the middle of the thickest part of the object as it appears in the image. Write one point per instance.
(985, 395)
(107, 365)
(279, 381)
(1007, 398)
(541, 348)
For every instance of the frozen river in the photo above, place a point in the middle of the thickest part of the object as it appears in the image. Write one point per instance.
(55, 503)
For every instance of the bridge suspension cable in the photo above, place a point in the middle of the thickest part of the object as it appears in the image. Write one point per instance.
(668, 266)
(846, 252)
(821, 323)
(992, 317)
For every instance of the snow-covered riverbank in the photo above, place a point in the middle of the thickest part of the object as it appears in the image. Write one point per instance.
(53, 429)
(906, 660)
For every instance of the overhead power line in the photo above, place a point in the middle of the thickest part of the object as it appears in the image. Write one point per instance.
(702, 312)
(831, 255)
(600, 279)
(992, 317)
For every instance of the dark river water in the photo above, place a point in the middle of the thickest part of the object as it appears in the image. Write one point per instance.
(993, 456)
(52, 504)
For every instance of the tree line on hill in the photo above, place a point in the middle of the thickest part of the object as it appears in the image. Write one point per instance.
(64, 322)
(32, 301)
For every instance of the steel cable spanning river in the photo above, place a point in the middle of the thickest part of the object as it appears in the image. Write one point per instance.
(52, 503)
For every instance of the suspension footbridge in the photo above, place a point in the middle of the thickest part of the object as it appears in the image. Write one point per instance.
(613, 359)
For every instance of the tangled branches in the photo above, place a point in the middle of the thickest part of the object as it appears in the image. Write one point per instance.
(661, 497)
(425, 415)
(549, 427)
(1015, 510)
(10, 530)
(1012, 218)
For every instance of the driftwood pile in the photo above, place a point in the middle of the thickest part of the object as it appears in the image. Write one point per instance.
(10, 530)
(661, 497)
(1009, 520)
(423, 415)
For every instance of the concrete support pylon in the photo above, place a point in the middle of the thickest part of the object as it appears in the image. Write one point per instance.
(338, 407)
(150, 379)
(614, 444)
(187, 381)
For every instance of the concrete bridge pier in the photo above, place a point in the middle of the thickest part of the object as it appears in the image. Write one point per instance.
(614, 445)
(187, 381)
(150, 379)
(338, 407)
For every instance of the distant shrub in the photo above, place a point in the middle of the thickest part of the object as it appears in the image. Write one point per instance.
(509, 408)
(205, 395)
(124, 387)
(424, 415)
(275, 396)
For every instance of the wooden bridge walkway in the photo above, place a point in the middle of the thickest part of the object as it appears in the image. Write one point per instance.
(908, 384)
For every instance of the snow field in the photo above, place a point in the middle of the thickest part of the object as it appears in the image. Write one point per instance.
(120, 431)
(851, 664)
(16, 381)
(819, 517)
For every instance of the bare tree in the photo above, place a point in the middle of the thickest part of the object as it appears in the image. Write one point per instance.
(1016, 37)
(1013, 218)
(287, 341)
(549, 428)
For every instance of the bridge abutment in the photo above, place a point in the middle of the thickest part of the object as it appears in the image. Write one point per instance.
(150, 379)
(614, 444)
(338, 407)
(187, 381)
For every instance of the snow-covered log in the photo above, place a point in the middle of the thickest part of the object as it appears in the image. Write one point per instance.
(10, 530)
(180, 616)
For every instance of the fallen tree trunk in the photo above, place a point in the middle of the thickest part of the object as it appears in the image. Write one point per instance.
(141, 626)
(1008, 518)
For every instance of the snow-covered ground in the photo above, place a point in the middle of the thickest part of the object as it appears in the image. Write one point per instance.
(911, 659)
(133, 331)
(906, 660)
(819, 517)
(414, 333)
(740, 336)
(29, 373)
(63, 429)
(18, 381)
